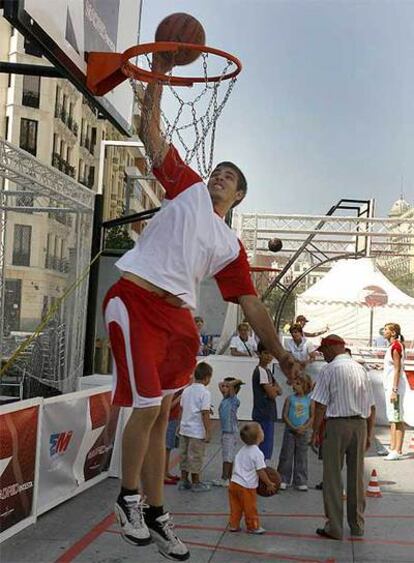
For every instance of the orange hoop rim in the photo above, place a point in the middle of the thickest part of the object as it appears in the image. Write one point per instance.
(128, 68)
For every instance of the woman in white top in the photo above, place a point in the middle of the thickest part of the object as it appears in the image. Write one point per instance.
(395, 383)
(243, 344)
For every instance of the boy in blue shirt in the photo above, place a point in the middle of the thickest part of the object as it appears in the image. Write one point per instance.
(229, 405)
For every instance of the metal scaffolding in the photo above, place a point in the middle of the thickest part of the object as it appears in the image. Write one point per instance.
(45, 200)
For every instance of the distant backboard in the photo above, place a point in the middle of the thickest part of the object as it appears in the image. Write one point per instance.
(66, 30)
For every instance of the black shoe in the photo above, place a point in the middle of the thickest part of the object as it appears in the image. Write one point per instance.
(319, 486)
(357, 532)
(168, 543)
(322, 532)
(129, 512)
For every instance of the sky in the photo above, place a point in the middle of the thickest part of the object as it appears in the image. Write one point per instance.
(324, 106)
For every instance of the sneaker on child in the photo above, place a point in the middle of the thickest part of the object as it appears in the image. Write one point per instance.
(129, 512)
(164, 536)
(393, 456)
(257, 531)
(283, 486)
(200, 488)
(220, 482)
(302, 487)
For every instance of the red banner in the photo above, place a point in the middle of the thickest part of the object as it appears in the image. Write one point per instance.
(18, 437)
(103, 421)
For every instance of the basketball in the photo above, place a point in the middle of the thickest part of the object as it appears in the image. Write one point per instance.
(181, 28)
(274, 477)
(275, 244)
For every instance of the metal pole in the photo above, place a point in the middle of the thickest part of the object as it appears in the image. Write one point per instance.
(89, 357)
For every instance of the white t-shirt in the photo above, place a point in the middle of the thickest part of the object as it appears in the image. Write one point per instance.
(247, 462)
(242, 346)
(195, 398)
(301, 351)
(187, 241)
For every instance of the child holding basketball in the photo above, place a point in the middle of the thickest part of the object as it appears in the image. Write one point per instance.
(229, 405)
(298, 412)
(249, 466)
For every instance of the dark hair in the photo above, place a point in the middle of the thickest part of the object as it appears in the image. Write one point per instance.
(242, 182)
(249, 433)
(261, 347)
(198, 319)
(296, 327)
(236, 387)
(202, 371)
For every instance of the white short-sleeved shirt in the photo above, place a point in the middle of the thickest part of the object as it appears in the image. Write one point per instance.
(195, 398)
(244, 346)
(344, 388)
(301, 351)
(247, 462)
(187, 241)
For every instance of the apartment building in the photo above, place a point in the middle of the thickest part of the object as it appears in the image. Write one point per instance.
(50, 119)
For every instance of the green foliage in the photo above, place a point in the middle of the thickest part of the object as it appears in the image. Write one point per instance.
(118, 238)
(272, 303)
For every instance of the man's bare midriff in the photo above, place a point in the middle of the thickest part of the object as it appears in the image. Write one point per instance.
(169, 297)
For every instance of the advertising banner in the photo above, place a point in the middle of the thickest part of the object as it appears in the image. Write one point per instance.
(18, 441)
(77, 440)
(63, 430)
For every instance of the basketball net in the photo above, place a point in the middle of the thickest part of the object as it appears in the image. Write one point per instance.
(195, 109)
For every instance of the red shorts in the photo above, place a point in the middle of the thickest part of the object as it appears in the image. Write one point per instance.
(153, 343)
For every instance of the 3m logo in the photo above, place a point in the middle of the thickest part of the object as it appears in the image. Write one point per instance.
(59, 443)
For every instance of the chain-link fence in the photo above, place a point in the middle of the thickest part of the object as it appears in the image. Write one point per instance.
(46, 220)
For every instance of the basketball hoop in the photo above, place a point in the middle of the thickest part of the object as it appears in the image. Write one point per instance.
(196, 109)
(262, 277)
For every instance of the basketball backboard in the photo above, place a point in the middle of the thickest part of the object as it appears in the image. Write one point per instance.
(67, 30)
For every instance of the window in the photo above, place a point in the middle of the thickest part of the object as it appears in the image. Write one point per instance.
(31, 91)
(31, 48)
(57, 102)
(28, 135)
(21, 245)
(12, 305)
(6, 132)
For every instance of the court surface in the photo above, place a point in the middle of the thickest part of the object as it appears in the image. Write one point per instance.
(83, 528)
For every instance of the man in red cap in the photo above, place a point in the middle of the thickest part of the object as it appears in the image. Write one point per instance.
(343, 394)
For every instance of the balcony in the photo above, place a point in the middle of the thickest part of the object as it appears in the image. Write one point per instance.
(62, 165)
(57, 264)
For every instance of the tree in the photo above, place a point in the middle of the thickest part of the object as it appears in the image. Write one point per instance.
(118, 238)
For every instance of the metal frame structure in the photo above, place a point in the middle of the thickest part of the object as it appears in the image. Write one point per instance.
(50, 191)
(324, 239)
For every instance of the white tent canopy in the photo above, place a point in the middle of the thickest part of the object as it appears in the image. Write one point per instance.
(340, 300)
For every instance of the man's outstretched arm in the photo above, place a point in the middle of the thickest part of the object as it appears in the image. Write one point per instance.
(259, 319)
(150, 126)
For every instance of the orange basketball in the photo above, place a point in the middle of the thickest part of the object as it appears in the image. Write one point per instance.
(181, 28)
(274, 477)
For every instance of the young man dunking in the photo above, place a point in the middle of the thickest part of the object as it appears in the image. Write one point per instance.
(153, 336)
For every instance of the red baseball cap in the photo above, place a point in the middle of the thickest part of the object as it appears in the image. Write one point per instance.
(331, 340)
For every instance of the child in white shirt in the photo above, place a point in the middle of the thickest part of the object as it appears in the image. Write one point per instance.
(249, 465)
(195, 429)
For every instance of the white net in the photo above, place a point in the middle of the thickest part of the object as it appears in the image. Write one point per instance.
(189, 114)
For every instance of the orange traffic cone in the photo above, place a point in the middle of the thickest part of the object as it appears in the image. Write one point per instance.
(373, 489)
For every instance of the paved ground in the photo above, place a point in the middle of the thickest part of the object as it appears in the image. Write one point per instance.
(82, 529)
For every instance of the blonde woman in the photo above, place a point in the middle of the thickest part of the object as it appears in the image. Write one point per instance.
(395, 383)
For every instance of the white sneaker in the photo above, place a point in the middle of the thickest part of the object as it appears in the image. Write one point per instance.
(129, 512)
(220, 482)
(302, 487)
(257, 531)
(393, 456)
(168, 543)
(283, 486)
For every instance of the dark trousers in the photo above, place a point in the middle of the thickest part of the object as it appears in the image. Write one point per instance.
(345, 440)
(268, 427)
(293, 459)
